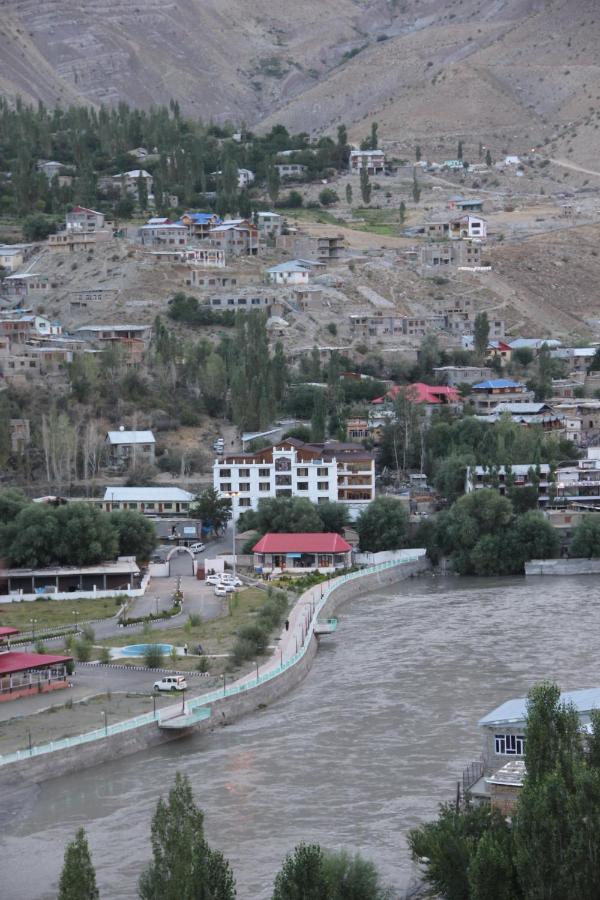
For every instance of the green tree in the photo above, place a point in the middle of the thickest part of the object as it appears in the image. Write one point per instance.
(12, 501)
(287, 514)
(402, 212)
(383, 525)
(418, 153)
(349, 199)
(273, 182)
(448, 846)
(319, 415)
(459, 150)
(416, 188)
(37, 227)
(136, 534)
(553, 738)
(302, 875)
(352, 878)
(491, 871)
(586, 539)
(481, 334)
(142, 192)
(183, 866)
(365, 186)
(333, 516)
(212, 509)
(327, 197)
(214, 384)
(78, 876)
(488, 157)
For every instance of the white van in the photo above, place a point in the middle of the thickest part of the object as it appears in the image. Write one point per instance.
(171, 683)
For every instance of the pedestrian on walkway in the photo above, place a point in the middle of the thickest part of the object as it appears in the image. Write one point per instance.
(185, 649)
(287, 624)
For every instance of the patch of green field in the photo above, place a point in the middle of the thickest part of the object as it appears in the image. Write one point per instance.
(56, 613)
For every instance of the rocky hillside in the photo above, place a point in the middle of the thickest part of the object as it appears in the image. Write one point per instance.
(507, 71)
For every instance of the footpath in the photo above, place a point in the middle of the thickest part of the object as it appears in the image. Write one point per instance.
(283, 670)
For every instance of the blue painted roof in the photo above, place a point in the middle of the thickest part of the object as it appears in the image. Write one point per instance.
(200, 218)
(515, 711)
(496, 383)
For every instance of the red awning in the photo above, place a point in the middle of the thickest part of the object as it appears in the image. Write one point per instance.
(6, 631)
(304, 542)
(13, 661)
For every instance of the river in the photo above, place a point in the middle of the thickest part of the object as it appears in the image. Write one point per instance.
(368, 745)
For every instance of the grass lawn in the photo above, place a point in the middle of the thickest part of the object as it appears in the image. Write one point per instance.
(56, 613)
(216, 636)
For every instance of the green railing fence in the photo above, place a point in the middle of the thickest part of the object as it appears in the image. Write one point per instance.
(320, 594)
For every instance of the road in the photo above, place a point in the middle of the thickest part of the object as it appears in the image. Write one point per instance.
(574, 167)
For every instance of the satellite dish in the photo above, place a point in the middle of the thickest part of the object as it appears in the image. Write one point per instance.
(121, 428)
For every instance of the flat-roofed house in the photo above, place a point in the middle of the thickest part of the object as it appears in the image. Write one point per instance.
(152, 501)
(126, 448)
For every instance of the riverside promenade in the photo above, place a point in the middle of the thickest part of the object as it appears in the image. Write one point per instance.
(288, 664)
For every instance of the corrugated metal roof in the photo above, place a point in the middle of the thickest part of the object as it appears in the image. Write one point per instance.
(496, 383)
(131, 437)
(303, 542)
(147, 495)
(515, 711)
(13, 661)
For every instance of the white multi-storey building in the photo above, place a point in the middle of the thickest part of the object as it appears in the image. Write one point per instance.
(341, 473)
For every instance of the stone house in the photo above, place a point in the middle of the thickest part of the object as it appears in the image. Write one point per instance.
(371, 160)
(126, 448)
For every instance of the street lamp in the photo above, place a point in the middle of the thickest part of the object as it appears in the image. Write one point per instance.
(224, 683)
(33, 622)
(104, 713)
(157, 602)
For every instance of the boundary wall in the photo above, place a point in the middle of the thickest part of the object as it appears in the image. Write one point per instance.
(226, 704)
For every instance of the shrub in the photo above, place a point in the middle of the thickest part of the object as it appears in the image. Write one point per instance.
(105, 655)
(202, 665)
(88, 633)
(328, 197)
(83, 650)
(194, 619)
(40, 647)
(257, 635)
(153, 656)
(70, 667)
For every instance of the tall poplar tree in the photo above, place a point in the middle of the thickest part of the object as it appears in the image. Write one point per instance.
(78, 877)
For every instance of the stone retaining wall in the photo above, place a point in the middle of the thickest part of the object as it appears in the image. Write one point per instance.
(52, 765)
(563, 567)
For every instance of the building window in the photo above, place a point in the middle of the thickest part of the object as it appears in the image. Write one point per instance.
(323, 485)
(244, 473)
(264, 486)
(283, 479)
(167, 506)
(245, 486)
(244, 501)
(264, 473)
(322, 471)
(302, 473)
(509, 744)
(302, 485)
(225, 487)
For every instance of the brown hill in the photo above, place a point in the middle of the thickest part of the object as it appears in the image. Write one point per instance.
(506, 72)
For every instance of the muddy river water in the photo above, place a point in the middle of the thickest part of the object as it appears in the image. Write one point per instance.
(367, 746)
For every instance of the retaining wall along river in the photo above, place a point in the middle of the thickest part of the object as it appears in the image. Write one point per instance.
(240, 698)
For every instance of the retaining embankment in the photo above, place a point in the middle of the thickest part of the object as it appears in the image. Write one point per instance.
(563, 567)
(224, 711)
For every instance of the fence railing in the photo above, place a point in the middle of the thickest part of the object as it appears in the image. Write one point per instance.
(222, 693)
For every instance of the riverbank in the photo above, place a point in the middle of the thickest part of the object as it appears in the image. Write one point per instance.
(282, 672)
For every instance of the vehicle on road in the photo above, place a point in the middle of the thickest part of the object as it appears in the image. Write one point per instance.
(197, 548)
(221, 590)
(171, 683)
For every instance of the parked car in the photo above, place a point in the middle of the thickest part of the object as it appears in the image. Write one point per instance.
(221, 590)
(171, 683)
(231, 579)
(213, 579)
(197, 548)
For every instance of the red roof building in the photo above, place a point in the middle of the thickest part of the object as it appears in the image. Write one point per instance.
(431, 394)
(287, 553)
(24, 673)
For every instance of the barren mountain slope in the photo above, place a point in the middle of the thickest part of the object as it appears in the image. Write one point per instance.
(421, 67)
